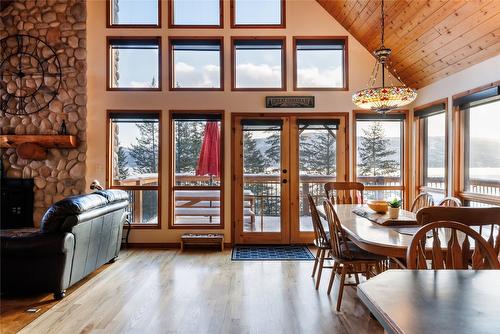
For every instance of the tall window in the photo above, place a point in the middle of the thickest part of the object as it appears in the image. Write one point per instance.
(195, 13)
(258, 13)
(320, 63)
(259, 63)
(196, 64)
(432, 149)
(479, 116)
(134, 161)
(124, 54)
(380, 160)
(134, 13)
(196, 170)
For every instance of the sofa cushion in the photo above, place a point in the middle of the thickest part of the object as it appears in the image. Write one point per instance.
(113, 195)
(74, 205)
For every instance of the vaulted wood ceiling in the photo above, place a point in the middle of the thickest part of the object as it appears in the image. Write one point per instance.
(429, 39)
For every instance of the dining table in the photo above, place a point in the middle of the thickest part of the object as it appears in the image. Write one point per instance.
(391, 241)
(434, 301)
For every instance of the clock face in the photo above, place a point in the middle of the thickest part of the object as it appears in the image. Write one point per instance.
(30, 75)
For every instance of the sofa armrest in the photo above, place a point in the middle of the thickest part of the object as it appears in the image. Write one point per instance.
(35, 243)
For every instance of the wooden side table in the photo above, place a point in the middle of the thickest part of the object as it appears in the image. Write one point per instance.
(202, 239)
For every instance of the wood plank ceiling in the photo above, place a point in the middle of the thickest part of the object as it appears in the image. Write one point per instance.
(429, 39)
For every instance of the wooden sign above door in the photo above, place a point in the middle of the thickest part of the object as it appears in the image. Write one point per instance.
(289, 101)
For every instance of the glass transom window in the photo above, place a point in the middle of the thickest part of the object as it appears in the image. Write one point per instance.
(134, 12)
(258, 12)
(196, 13)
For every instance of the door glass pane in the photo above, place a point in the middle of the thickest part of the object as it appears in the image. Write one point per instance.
(482, 170)
(317, 165)
(434, 151)
(262, 177)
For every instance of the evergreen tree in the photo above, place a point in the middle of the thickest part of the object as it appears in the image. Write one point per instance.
(123, 171)
(318, 156)
(254, 161)
(188, 139)
(145, 152)
(375, 153)
(273, 152)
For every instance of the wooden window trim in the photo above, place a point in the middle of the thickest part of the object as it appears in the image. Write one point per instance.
(109, 177)
(110, 25)
(419, 154)
(171, 25)
(345, 63)
(257, 26)
(133, 38)
(235, 39)
(459, 152)
(171, 62)
(171, 185)
(405, 147)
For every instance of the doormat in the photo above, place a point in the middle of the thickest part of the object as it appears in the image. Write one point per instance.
(271, 253)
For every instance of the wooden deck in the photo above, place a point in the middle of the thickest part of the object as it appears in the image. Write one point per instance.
(160, 291)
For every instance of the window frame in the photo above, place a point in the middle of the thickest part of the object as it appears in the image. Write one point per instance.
(109, 172)
(171, 41)
(420, 159)
(234, 25)
(235, 39)
(344, 39)
(405, 146)
(172, 25)
(171, 174)
(459, 146)
(109, 40)
(110, 25)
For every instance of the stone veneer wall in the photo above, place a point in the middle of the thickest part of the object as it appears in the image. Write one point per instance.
(62, 25)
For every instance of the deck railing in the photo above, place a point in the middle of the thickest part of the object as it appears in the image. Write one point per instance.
(266, 189)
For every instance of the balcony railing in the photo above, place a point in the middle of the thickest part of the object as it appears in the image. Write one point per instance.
(266, 190)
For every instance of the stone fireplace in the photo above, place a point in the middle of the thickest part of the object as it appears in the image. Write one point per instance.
(62, 25)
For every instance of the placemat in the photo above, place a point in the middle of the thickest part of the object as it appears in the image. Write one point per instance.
(405, 217)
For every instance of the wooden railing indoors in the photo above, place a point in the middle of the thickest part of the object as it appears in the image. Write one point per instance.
(266, 189)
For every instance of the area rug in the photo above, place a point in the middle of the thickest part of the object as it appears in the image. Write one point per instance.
(271, 253)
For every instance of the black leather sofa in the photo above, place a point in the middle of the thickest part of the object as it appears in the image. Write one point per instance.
(77, 235)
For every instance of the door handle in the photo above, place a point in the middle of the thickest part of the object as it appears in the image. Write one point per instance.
(285, 180)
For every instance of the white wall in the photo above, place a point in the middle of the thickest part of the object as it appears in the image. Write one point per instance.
(303, 18)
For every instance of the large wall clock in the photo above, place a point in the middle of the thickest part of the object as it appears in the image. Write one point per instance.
(30, 75)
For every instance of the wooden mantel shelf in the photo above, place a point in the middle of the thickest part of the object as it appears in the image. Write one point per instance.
(45, 141)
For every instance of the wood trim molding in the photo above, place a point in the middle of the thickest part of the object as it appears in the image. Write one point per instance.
(475, 90)
(109, 25)
(345, 63)
(405, 155)
(419, 149)
(133, 38)
(171, 25)
(171, 169)
(257, 26)
(234, 39)
(172, 39)
(109, 183)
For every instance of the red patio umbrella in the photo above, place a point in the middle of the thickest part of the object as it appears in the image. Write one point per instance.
(209, 159)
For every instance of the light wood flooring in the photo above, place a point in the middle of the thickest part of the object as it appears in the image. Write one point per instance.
(203, 291)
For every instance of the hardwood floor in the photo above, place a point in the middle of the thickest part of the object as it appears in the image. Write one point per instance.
(165, 291)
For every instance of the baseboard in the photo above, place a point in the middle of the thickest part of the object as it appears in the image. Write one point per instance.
(163, 245)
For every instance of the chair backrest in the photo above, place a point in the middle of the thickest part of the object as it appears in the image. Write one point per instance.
(319, 231)
(337, 236)
(450, 201)
(423, 200)
(345, 192)
(456, 253)
(488, 220)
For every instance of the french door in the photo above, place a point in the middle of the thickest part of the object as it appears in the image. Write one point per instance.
(278, 161)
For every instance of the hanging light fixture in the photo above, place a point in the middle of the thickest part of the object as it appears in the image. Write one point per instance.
(383, 99)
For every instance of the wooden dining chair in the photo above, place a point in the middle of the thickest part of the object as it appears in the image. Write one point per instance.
(348, 258)
(321, 241)
(486, 221)
(450, 202)
(345, 192)
(439, 245)
(423, 200)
